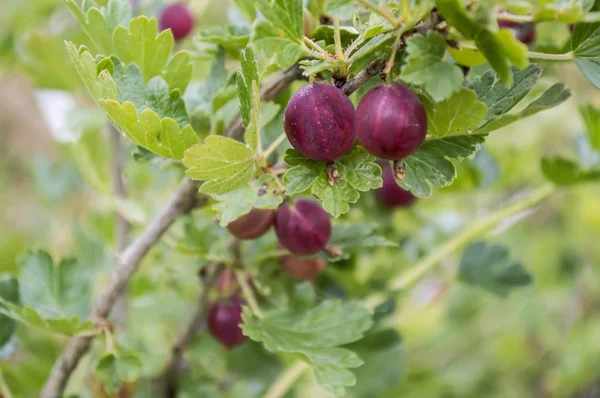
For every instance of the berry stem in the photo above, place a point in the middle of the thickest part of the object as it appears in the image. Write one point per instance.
(390, 64)
(248, 294)
(286, 380)
(381, 11)
(274, 145)
(473, 231)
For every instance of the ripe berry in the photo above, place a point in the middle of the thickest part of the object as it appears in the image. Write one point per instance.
(302, 269)
(391, 122)
(303, 228)
(224, 318)
(177, 18)
(319, 122)
(523, 32)
(252, 225)
(391, 194)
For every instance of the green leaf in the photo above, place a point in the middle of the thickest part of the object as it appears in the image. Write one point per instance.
(224, 163)
(591, 120)
(163, 137)
(425, 66)
(347, 237)
(491, 268)
(565, 172)
(232, 38)
(316, 335)
(430, 164)
(53, 290)
(500, 99)
(459, 114)
(261, 194)
(100, 85)
(244, 82)
(143, 45)
(9, 292)
(113, 371)
(375, 45)
(284, 14)
(585, 40)
(357, 171)
(178, 71)
(555, 95)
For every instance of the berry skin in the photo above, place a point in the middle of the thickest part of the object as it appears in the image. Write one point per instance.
(391, 194)
(302, 269)
(391, 121)
(177, 18)
(525, 33)
(252, 225)
(319, 122)
(224, 318)
(303, 229)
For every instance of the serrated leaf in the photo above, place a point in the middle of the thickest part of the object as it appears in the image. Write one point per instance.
(100, 85)
(375, 45)
(357, 173)
(315, 334)
(114, 370)
(224, 163)
(232, 38)
(425, 65)
(430, 164)
(178, 71)
(591, 120)
(313, 66)
(490, 267)
(95, 25)
(261, 194)
(585, 40)
(285, 15)
(53, 289)
(497, 97)
(346, 237)
(244, 82)
(163, 137)
(590, 67)
(565, 172)
(554, 96)
(143, 45)
(458, 114)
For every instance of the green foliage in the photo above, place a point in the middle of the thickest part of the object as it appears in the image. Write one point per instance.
(224, 163)
(115, 369)
(585, 43)
(563, 171)
(9, 292)
(426, 59)
(315, 335)
(245, 80)
(357, 172)
(459, 114)
(490, 267)
(285, 15)
(348, 237)
(230, 37)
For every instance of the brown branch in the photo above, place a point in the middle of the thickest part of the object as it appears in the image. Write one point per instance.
(180, 203)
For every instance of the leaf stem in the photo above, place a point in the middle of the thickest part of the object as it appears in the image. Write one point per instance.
(317, 48)
(286, 380)
(381, 11)
(390, 64)
(339, 53)
(248, 294)
(532, 54)
(473, 231)
(274, 145)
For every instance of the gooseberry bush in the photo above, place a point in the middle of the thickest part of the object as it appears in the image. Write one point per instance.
(299, 132)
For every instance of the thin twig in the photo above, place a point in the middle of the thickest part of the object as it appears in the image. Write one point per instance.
(182, 201)
(286, 380)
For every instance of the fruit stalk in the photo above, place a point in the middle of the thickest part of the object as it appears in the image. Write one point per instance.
(248, 294)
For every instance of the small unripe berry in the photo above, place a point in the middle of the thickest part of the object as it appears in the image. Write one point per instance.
(391, 194)
(319, 122)
(523, 32)
(303, 228)
(391, 121)
(252, 225)
(302, 269)
(177, 18)
(224, 320)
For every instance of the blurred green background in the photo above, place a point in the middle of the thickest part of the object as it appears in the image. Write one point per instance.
(457, 341)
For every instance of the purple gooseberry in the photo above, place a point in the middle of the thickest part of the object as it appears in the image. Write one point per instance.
(319, 122)
(525, 33)
(224, 320)
(391, 194)
(177, 18)
(303, 228)
(302, 269)
(391, 121)
(252, 225)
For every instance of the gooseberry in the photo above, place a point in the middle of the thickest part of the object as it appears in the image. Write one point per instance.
(303, 227)
(252, 225)
(224, 319)
(177, 18)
